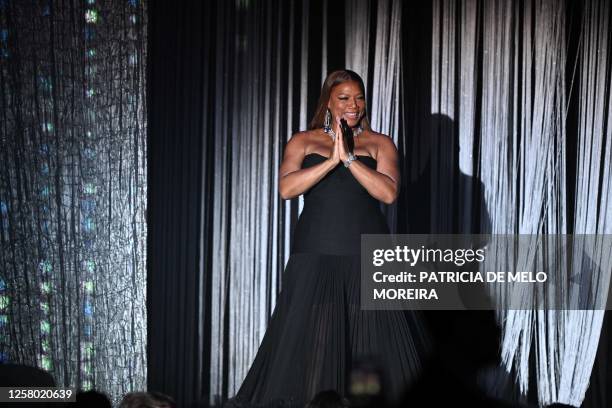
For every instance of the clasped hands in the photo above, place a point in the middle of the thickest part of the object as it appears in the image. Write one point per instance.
(340, 150)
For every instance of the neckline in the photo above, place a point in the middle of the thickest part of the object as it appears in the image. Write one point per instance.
(356, 132)
(325, 157)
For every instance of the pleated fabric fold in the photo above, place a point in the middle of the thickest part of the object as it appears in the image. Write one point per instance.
(318, 333)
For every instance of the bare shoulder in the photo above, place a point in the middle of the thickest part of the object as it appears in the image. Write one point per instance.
(297, 141)
(381, 139)
(381, 142)
(305, 140)
(304, 136)
(300, 142)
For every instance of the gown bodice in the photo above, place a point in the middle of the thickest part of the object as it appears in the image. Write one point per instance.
(337, 210)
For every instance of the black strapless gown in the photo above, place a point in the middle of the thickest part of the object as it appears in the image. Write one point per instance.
(317, 330)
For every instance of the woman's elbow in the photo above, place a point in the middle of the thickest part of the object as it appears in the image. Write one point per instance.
(285, 193)
(390, 197)
(388, 200)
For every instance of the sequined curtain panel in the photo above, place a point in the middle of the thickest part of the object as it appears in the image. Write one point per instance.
(73, 189)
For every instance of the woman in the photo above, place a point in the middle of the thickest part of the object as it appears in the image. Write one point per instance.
(318, 335)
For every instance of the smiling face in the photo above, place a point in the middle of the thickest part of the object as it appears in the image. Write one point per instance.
(347, 101)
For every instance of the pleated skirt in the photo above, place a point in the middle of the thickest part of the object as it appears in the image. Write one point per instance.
(318, 335)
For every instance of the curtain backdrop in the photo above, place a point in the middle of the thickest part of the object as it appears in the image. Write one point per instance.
(527, 86)
(73, 191)
(501, 113)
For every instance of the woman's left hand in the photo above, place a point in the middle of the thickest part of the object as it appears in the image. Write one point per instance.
(342, 147)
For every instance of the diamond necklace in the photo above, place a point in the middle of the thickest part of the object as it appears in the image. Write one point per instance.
(332, 134)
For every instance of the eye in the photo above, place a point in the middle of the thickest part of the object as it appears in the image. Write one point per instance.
(343, 98)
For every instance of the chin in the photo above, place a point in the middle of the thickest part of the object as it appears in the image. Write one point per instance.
(353, 122)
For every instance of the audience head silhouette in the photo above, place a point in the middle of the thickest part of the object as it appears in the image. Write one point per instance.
(92, 399)
(147, 400)
(328, 399)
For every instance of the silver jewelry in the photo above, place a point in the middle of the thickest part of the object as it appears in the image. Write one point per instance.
(351, 158)
(327, 121)
(332, 134)
(357, 131)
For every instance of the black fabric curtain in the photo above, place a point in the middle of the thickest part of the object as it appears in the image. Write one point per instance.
(176, 291)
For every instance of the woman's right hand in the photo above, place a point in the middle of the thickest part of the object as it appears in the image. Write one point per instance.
(338, 140)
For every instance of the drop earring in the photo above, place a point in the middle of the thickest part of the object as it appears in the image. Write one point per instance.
(327, 122)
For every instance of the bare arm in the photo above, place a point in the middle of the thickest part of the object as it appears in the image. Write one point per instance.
(382, 183)
(293, 180)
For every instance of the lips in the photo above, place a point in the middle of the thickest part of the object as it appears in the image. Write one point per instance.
(351, 115)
